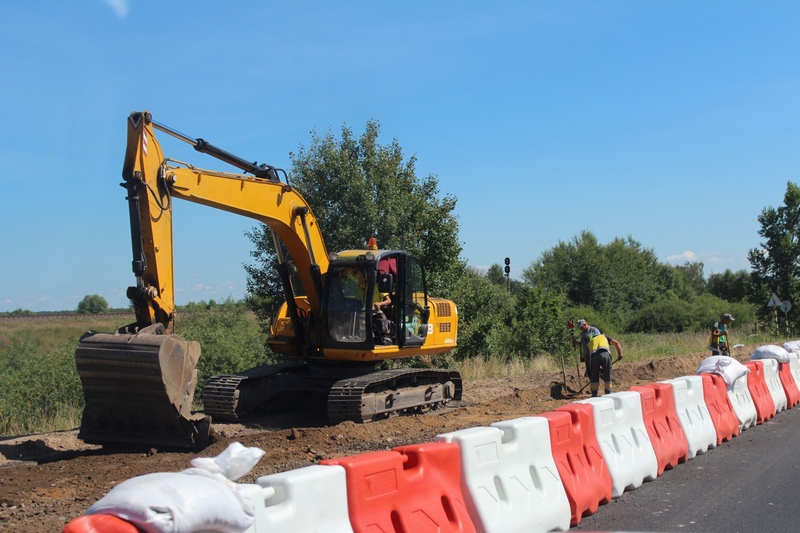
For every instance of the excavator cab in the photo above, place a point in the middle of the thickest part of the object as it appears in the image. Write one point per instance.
(357, 279)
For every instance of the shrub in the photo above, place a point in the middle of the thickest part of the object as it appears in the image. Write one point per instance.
(230, 340)
(666, 316)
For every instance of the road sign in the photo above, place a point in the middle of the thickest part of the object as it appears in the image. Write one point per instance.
(773, 301)
(785, 306)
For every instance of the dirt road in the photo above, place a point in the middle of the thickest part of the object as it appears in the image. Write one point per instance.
(46, 480)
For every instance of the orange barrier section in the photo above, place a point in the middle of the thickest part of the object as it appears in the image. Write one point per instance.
(579, 459)
(663, 426)
(715, 393)
(762, 398)
(100, 523)
(410, 489)
(789, 385)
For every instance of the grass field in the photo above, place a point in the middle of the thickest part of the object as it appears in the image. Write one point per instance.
(40, 389)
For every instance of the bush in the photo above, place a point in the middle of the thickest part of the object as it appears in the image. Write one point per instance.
(230, 340)
(538, 326)
(666, 316)
(484, 312)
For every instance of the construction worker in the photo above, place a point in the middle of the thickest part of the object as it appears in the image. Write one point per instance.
(597, 356)
(718, 341)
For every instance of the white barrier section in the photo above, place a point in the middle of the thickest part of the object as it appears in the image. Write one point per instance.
(742, 402)
(510, 481)
(312, 498)
(794, 367)
(627, 450)
(693, 414)
(774, 384)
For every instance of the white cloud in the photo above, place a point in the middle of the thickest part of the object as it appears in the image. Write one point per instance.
(120, 7)
(682, 257)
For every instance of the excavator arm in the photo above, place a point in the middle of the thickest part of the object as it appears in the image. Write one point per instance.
(139, 382)
(154, 181)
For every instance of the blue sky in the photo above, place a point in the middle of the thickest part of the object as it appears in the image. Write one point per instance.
(674, 123)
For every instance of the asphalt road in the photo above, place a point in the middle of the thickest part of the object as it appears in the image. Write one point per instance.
(749, 484)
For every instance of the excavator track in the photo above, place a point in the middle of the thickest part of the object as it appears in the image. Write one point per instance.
(231, 397)
(393, 392)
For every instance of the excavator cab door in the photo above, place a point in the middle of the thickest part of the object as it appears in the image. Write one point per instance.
(413, 304)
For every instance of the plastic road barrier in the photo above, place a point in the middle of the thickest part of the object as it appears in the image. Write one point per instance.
(663, 426)
(719, 407)
(623, 438)
(409, 489)
(789, 384)
(762, 397)
(99, 523)
(292, 501)
(693, 414)
(794, 365)
(742, 402)
(510, 481)
(773, 381)
(579, 459)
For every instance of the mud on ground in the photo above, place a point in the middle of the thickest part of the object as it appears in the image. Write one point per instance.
(47, 480)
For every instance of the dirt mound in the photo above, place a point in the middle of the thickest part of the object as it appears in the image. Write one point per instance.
(46, 480)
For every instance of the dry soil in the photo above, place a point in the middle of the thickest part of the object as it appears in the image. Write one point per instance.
(47, 480)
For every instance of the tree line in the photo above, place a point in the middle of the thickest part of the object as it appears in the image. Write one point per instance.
(358, 188)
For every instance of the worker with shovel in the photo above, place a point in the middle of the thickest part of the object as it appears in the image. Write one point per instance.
(718, 341)
(597, 355)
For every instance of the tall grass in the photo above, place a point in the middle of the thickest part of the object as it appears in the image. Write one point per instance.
(646, 345)
(40, 390)
(498, 367)
(47, 334)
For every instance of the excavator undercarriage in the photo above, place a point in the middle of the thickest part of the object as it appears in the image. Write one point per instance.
(363, 396)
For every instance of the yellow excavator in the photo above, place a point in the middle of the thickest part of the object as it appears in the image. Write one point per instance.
(139, 381)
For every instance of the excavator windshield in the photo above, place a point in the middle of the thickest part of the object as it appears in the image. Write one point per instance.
(347, 304)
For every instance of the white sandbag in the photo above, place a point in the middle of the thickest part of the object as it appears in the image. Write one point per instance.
(729, 368)
(792, 346)
(202, 498)
(771, 351)
(236, 461)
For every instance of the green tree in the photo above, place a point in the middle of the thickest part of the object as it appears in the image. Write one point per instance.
(496, 275)
(93, 304)
(729, 285)
(537, 326)
(776, 262)
(692, 282)
(357, 189)
(484, 313)
(613, 279)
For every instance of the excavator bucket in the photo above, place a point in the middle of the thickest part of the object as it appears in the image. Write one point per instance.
(139, 389)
